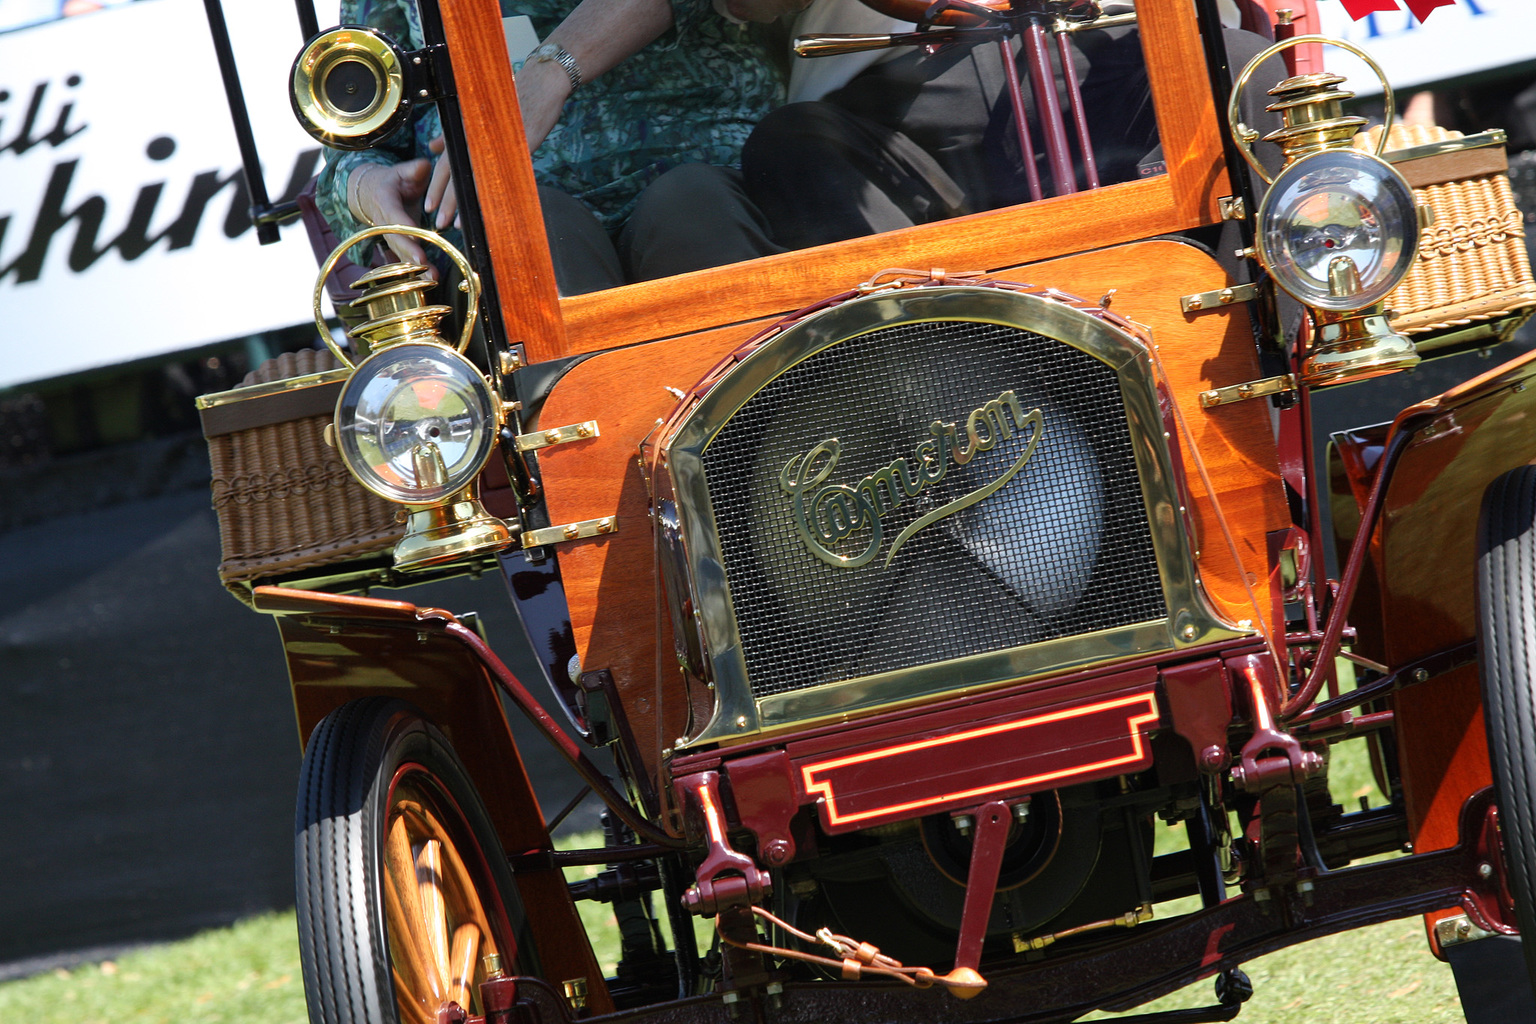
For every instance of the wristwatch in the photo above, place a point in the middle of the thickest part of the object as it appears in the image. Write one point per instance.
(556, 53)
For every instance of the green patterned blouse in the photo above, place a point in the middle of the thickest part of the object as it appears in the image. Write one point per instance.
(692, 96)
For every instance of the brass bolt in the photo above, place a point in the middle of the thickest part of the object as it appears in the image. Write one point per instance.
(571, 532)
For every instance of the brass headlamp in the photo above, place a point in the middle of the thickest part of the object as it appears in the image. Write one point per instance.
(1338, 229)
(416, 422)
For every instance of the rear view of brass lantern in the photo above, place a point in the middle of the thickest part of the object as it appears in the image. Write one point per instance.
(348, 88)
(1338, 229)
(416, 421)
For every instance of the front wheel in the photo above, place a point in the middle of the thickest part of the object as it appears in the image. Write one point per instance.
(1506, 610)
(402, 888)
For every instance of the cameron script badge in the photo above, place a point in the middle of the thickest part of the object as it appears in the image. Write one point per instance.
(826, 514)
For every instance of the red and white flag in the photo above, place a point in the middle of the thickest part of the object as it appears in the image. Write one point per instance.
(1360, 8)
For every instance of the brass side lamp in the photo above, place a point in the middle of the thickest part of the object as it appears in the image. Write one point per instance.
(1338, 229)
(416, 421)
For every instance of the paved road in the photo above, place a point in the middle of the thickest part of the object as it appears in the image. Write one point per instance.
(148, 753)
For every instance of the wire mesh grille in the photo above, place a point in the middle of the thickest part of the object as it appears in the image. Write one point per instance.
(980, 526)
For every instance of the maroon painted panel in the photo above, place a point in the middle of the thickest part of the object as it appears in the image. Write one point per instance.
(1008, 756)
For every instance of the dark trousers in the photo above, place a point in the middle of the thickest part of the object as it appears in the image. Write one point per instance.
(691, 217)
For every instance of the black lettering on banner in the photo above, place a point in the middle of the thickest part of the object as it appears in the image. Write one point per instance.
(55, 215)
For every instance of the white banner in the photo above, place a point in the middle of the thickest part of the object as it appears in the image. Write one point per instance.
(1472, 36)
(123, 224)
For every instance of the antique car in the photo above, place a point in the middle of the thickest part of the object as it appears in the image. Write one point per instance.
(907, 601)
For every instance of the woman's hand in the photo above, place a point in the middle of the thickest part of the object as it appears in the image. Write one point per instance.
(387, 194)
(441, 197)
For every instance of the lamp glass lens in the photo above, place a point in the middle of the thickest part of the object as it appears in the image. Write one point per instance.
(1333, 204)
(415, 423)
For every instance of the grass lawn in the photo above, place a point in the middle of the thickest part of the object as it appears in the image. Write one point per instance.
(249, 974)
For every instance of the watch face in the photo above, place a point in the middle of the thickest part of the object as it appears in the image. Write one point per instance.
(1338, 230)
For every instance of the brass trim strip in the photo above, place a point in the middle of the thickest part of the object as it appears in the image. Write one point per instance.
(1492, 137)
(995, 668)
(262, 405)
(276, 387)
(570, 531)
(1202, 301)
(557, 435)
(1252, 389)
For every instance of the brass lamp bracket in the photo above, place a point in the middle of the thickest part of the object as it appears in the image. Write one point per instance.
(556, 435)
(1216, 299)
(1281, 385)
(570, 531)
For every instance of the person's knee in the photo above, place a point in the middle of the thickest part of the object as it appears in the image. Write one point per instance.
(693, 216)
(583, 256)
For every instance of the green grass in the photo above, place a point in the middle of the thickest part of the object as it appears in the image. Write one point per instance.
(249, 974)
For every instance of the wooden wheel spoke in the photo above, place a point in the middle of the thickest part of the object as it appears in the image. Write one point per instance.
(406, 919)
(466, 949)
(411, 1010)
(459, 884)
(429, 887)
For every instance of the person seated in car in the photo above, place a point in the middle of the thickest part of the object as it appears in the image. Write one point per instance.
(876, 140)
(635, 112)
(898, 137)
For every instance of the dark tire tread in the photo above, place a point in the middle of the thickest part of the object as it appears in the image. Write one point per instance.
(338, 844)
(1506, 609)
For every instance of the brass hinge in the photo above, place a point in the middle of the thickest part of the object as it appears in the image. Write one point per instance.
(1253, 389)
(1453, 931)
(1217, 299)
(570, 531)
(556, 435)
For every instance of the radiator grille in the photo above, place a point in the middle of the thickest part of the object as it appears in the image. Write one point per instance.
(1062, 548)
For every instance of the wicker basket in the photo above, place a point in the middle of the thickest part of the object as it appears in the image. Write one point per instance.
(285, 502)
(1472, 265)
